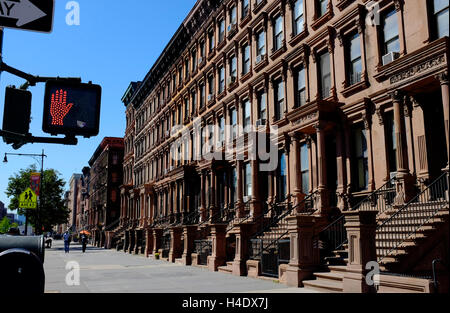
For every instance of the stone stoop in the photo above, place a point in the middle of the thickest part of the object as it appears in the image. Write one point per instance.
(329, 282)
(179, 261)
(226, 268)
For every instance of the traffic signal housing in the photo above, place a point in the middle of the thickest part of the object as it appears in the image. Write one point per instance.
(17, 113)
(71, 108)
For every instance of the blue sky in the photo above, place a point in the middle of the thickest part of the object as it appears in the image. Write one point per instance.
(115, 43)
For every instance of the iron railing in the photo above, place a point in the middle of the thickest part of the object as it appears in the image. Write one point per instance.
(407, 221)
(203, 248)
(380, 200)
(112, 225)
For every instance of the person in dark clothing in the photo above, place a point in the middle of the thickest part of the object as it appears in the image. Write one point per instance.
(66, 241)
(84, 240)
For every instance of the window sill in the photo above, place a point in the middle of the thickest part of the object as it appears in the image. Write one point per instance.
(263, 63)
(352, 89)
(319, 21)
(221, 95)
(245, 77)
(295, 39)
(245, 20)
(221, 44)
(211, 54)
(259, 6)
(277, 53)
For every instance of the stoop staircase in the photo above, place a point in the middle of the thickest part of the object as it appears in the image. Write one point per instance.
(400, 233)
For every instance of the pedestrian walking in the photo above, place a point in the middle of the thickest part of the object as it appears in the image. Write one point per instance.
(66, 242)
(84, 240)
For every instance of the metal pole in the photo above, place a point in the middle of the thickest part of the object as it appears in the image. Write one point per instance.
(40, 193)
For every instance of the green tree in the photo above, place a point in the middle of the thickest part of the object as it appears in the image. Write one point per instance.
(5, 225)
(52, 210)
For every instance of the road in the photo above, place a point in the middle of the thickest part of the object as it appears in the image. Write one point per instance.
(109, 271)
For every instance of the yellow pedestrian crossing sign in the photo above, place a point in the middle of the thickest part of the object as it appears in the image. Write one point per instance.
(28, 200)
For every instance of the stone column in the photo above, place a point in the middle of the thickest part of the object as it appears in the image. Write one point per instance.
(176, 250)
(202, 198)
(157, 234)
(212, 204)
(218, 257)
(340, 160)
(322, 169)
(404, 179)
(255, 204)
(240, 194)
(242, 233)
(295, 173)
(189, 233)
(302, 262)
(443, 79)
(361, 232)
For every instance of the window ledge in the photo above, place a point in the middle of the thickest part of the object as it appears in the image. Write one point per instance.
(295, 39)
(352, 89)
(259, 6)
(245, 20)
(323, 19)
(276, 53)
(263, 63)
(245, 77)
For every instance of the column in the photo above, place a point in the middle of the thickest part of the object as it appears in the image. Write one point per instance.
(340, 160)
(322, 161)
(443, 79)
(189, 233)
(242, 233)
(361, 232)
(218, 257)
(157, 234)
(176, 249)
(202, 198)
(212, 204)
(255, 204)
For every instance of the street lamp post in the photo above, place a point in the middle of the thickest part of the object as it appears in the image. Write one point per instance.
(34, 156)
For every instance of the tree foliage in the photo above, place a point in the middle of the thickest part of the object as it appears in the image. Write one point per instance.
(5, 225)
(52, 209)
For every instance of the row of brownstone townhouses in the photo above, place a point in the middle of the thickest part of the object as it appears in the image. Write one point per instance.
(351, 97)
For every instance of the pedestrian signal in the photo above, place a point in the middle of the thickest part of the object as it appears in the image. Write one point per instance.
(17, 112)
(71, 108)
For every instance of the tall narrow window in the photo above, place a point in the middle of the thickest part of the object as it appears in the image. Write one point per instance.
(202, 95)
(233, 184)
(186, 69)
(262, 106)
(245, 59)
(233, 117)
(282, 177)
(210, 87)
(186, 108)
(360, 164)
(221, 131)
(211, 40)
(247, 116)
(299, 19)
(390, 33)
(194, 100)
(301, 86)
(304, 167)
(221, 79)
(233, 15)
(278, 33)
(279, 100)
(233, 68)
(248, 180)
(325, 75)
(221, 30)
(440, 10)
(194, 59)
(261, 43)
(391, 141)
(354, 63)
(322, 7)
(245, 8)
(202, 50)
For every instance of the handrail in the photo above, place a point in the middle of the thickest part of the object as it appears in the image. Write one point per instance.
(441, 184)
(112, 224)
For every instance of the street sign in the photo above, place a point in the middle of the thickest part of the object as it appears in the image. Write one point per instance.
(35, 15)
(71, 108)
(28, 200)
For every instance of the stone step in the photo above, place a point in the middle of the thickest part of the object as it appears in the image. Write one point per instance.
(338, 268)
(179, 261)
(225, 269)
(333, 276)
(324, 286)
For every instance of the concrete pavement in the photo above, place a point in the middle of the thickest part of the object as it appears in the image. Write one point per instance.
(109, 271)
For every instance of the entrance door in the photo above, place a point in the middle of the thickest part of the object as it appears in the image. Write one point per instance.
(332, 183)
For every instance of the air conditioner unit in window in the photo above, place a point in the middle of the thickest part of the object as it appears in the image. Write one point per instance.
(231, 80)
(260, 122)
(259, 58)
(390, 57)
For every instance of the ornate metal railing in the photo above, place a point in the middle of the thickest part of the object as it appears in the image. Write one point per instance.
(203, 248)
(407, 221)
(112, 225)
(380, 200)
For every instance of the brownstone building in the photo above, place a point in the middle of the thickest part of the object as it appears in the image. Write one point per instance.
(359, 93)
(105, 177)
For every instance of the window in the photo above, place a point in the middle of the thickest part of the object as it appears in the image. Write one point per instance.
(279, 100)
(194, 59)
(304, 167)
(233, 66)
(261, 43)
(322, 7)
(186, 69)
(391, 141)
(233, 15)
(221, 30)
(202, 50)
(247, 115)
(300, 79)
(233, 184)
(202, 95)
(211, 40)
(246, 59)
(180, 75)
(360, 164)
(210, 85)
(221, 131)
(245, 8)
(281, 177)
(221, 79)
(325, 74)
(299, 19)
(248, 180)
(262, 105)
(440, 11)
(194, 100)
(186, 108)
(391, 41)
(174, 83)
(233, 117)
(278, 33)
(354, 61)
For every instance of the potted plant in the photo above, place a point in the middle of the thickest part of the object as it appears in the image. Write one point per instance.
(156, 256)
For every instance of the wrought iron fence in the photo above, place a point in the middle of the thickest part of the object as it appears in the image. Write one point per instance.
(380, 200)
(203, 248)
(407, 221)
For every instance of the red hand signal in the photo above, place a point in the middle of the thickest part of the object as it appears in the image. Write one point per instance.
(59, 107)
